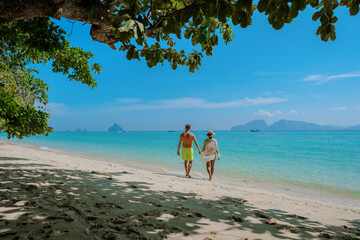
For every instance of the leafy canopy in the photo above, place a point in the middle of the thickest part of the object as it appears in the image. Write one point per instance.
(146, 29)
(202, 22)
(22, 95)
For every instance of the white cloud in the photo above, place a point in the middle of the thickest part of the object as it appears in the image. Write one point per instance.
(58, 109)
(129, 104)
(272, 114)
(319, 79)
(179, 103)
(264, 113)
(346, 75)
(338, 109)
(315, 77)
(293, 112)
(127, 100)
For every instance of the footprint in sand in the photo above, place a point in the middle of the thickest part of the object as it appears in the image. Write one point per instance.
(153, 213)
(119, 221)
(108, 205)
(155, 204)
(296, 216)
(47, 226)
(237, 219)
(91, 218)
(181, 197)
(175, 213)
(261, 215)
(95, 226)
(287, 228)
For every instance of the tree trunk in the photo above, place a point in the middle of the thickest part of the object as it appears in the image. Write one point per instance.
(15, 10)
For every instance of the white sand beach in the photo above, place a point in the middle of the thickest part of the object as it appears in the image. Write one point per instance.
(49, 194)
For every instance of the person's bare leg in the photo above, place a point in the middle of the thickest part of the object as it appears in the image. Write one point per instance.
(189, 168)
(186, 167)
(208, 169)
(212, 168)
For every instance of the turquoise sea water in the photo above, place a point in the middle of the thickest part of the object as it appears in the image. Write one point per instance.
(328, 159)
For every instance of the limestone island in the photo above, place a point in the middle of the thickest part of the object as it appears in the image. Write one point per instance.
(115, 128)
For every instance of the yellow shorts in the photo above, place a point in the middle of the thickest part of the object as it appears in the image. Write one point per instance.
(187, 154)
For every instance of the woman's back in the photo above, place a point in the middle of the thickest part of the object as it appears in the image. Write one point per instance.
(210, 146)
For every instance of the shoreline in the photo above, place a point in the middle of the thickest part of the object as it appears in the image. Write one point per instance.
(57, 195)
(301, 190)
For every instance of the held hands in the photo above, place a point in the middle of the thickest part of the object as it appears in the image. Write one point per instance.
(218, 158)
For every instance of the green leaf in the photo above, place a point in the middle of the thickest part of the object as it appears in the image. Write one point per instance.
(119, 18)
(262, 5)
(127, 26)
(354, 8)
(170, 25)
(187, 33)
(192, 68)
(294, 9)
(195, 40)
(316, 15)
(244, 20)
(223, 11)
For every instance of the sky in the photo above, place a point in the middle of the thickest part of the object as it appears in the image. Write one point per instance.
(262, 74)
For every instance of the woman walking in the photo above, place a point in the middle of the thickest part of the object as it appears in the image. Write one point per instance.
(208, 153)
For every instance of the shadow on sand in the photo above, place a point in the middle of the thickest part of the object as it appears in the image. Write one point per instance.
(63, 204)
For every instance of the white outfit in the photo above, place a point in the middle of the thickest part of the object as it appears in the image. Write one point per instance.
(209, 150)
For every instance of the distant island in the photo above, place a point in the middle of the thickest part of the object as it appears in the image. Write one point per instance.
(357, 127)
(115, 128)
(79, 130)
(287, 125)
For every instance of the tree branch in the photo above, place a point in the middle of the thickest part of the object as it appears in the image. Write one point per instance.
(11, 11)
(159, 23)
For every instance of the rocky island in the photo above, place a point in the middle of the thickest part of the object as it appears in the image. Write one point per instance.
(115, 128)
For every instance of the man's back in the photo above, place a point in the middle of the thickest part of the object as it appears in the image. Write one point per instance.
(187, 139)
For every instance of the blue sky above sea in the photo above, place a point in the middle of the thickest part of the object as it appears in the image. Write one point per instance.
(262, 74)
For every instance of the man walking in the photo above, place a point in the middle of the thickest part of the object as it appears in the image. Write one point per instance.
(187, 151)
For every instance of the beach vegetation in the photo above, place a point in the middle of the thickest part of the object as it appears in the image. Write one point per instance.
(23, 96)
